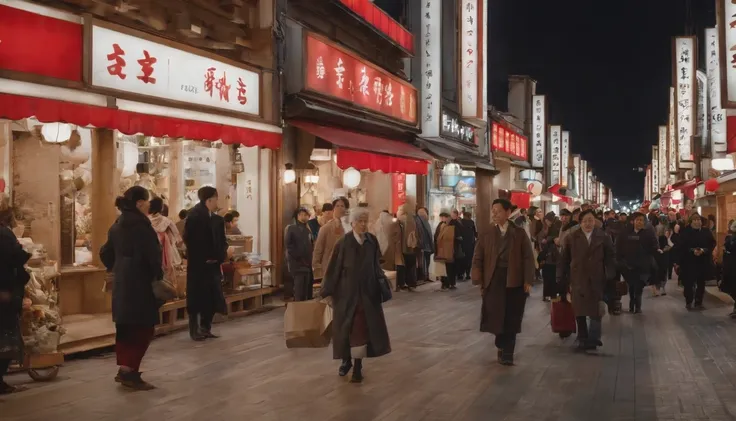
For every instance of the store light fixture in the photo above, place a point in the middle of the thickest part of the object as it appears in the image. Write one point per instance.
(722, 164)
(56, 132)
(289, 174)
(351, 178)
(311, 174)
(451, 169)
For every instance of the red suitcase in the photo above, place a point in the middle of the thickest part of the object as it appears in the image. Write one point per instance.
(563, 318)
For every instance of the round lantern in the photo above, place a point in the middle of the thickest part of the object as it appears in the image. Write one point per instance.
(535, 188)
(351, 178)
(289, 174)
(711, 185)
(56, 132)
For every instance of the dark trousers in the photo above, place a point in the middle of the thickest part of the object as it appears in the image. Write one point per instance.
(451, 279)
(549, 276)
(4, 365)
(200, 322)
(594, 334)
(302, 286)
(131, 344)
(426, 260)
(694, 290)
(636, 288)
(406, 274)
(506, 342)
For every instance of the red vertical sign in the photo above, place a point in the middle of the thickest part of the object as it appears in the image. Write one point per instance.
(398, 191)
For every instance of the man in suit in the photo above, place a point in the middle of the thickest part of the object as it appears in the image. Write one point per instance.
(207, 248)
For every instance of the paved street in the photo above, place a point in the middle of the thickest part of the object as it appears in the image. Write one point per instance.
(666, 364)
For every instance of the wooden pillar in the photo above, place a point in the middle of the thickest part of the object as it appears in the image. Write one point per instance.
(483, 197)
(6, 155)
(105, 182)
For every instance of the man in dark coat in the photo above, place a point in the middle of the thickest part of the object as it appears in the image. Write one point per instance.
(204, 235)
(298, 243)
(503, 266)
(636, 249)
(470, 235)
(13, 279)
(694, 257)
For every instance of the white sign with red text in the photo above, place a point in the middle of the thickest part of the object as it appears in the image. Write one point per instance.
(130, 64)
(471, 69)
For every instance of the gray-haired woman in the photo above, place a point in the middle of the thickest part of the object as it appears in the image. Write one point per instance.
(353, 281)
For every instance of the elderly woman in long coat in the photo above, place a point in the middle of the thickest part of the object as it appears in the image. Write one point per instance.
(503, 266)
(586, 267)
(352, 280)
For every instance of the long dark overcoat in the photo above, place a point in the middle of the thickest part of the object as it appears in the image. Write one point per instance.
(351, 278)
(587, 268)
(204, 235)
(502, 293)
(133, 253)
(13, 279)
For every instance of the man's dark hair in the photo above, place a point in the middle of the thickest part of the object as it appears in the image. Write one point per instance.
(183, 213)
(422, 207)
(205, 193)
(523, 211)
(300, 210)
(505, 204)
(327, 207)
(157, 205)
(344, 201)
(586, 212)
(576, 211)
(229, 217)
(234, 213)
(636, 215)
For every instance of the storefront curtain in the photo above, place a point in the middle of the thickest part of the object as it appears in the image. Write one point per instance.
(347, 158)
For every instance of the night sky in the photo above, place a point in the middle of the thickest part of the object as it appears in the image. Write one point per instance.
(604, 66)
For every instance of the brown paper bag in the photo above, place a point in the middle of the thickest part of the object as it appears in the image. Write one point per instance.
(308, 324)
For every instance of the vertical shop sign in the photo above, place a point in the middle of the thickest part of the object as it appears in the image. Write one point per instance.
(471, 70)
(430, 53)
(565, 159)
(539, 130)
(672, 161)
(662, 154)
(701, 126)
(398, 191)
(716, 114)
(591, 189)
(655, 169)
(583, 187)
(575, 184)
(726, 22)
(685, 95)
(555, 141)
(483, 39)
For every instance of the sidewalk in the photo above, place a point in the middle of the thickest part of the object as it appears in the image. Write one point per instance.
(666, 364)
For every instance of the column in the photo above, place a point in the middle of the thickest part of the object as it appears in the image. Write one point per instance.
(483, 197)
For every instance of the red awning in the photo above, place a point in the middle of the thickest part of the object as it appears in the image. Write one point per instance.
(16, 107)
(365, 152)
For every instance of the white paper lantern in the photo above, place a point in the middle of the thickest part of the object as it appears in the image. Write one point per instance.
(722, 164)
(351, 178)
(289, 176)
(535, 188)
(130, 158)
(56, 132)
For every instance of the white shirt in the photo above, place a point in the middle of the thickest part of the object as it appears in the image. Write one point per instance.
(588, 235)
(503, 228)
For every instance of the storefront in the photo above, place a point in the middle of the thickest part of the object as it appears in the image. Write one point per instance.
(516, 180)
(105, 108)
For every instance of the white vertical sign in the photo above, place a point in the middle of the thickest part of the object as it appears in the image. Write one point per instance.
(716, 114)
(565, 159)
(431, 67)
(672, 161)
(555, 150)
(470, 71)
(727, 10)
(701, 125)
(576, 173)
(583, 189)
(539, 130)
(662, 145)
(685, 98)
(655, 169)
(484, 63)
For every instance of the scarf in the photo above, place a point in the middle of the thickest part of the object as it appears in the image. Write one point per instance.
(168, 236)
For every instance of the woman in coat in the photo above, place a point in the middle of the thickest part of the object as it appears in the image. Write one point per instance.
(695, 248)
(133, 253)
(328, 236)
(586, 267)
(447, 239)
(13, 279)
(728, 284)
(405, 242)
(352, 280)
(636, 252)
(548, 255)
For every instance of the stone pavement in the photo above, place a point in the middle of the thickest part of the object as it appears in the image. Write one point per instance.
(666, 364)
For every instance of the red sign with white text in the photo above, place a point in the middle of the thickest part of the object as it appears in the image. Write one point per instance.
(335, 72)
(40, 45)
(505, 140)
(398, 191)
(382, 21)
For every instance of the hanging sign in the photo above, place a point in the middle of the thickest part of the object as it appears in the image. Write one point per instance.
(431, 67)
(655, 170)
(685, 95)
(701, 126)
(662, 154)
(575, 183)
(454, 128)
(583, 189)
(726, 24)
(398, 191)
(565, 158)
(672, 161)
(333, 71)
(716, 114)
(555, 152)
(130, 64)
(507, 141)
(539, 130)
(471, 70)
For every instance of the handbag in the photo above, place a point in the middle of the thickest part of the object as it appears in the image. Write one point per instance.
(163, 290)
(385, 289)
(562, 317)
(622, 288)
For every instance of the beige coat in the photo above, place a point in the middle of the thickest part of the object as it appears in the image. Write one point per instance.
(325, 244)
(445, 243)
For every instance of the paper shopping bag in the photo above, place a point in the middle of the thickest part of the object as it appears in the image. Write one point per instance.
(308, 324)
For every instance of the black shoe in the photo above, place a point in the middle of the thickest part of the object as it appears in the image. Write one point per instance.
(357, 372)
(637, 310)
(688, 306)
(507, 359)
(345, 368)
(453, 287)
(699, 306)
(207, 334)
(133, 380)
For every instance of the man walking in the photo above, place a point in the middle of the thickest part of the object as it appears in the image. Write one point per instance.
(204, 236)
(503, 266)
(298, 244)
